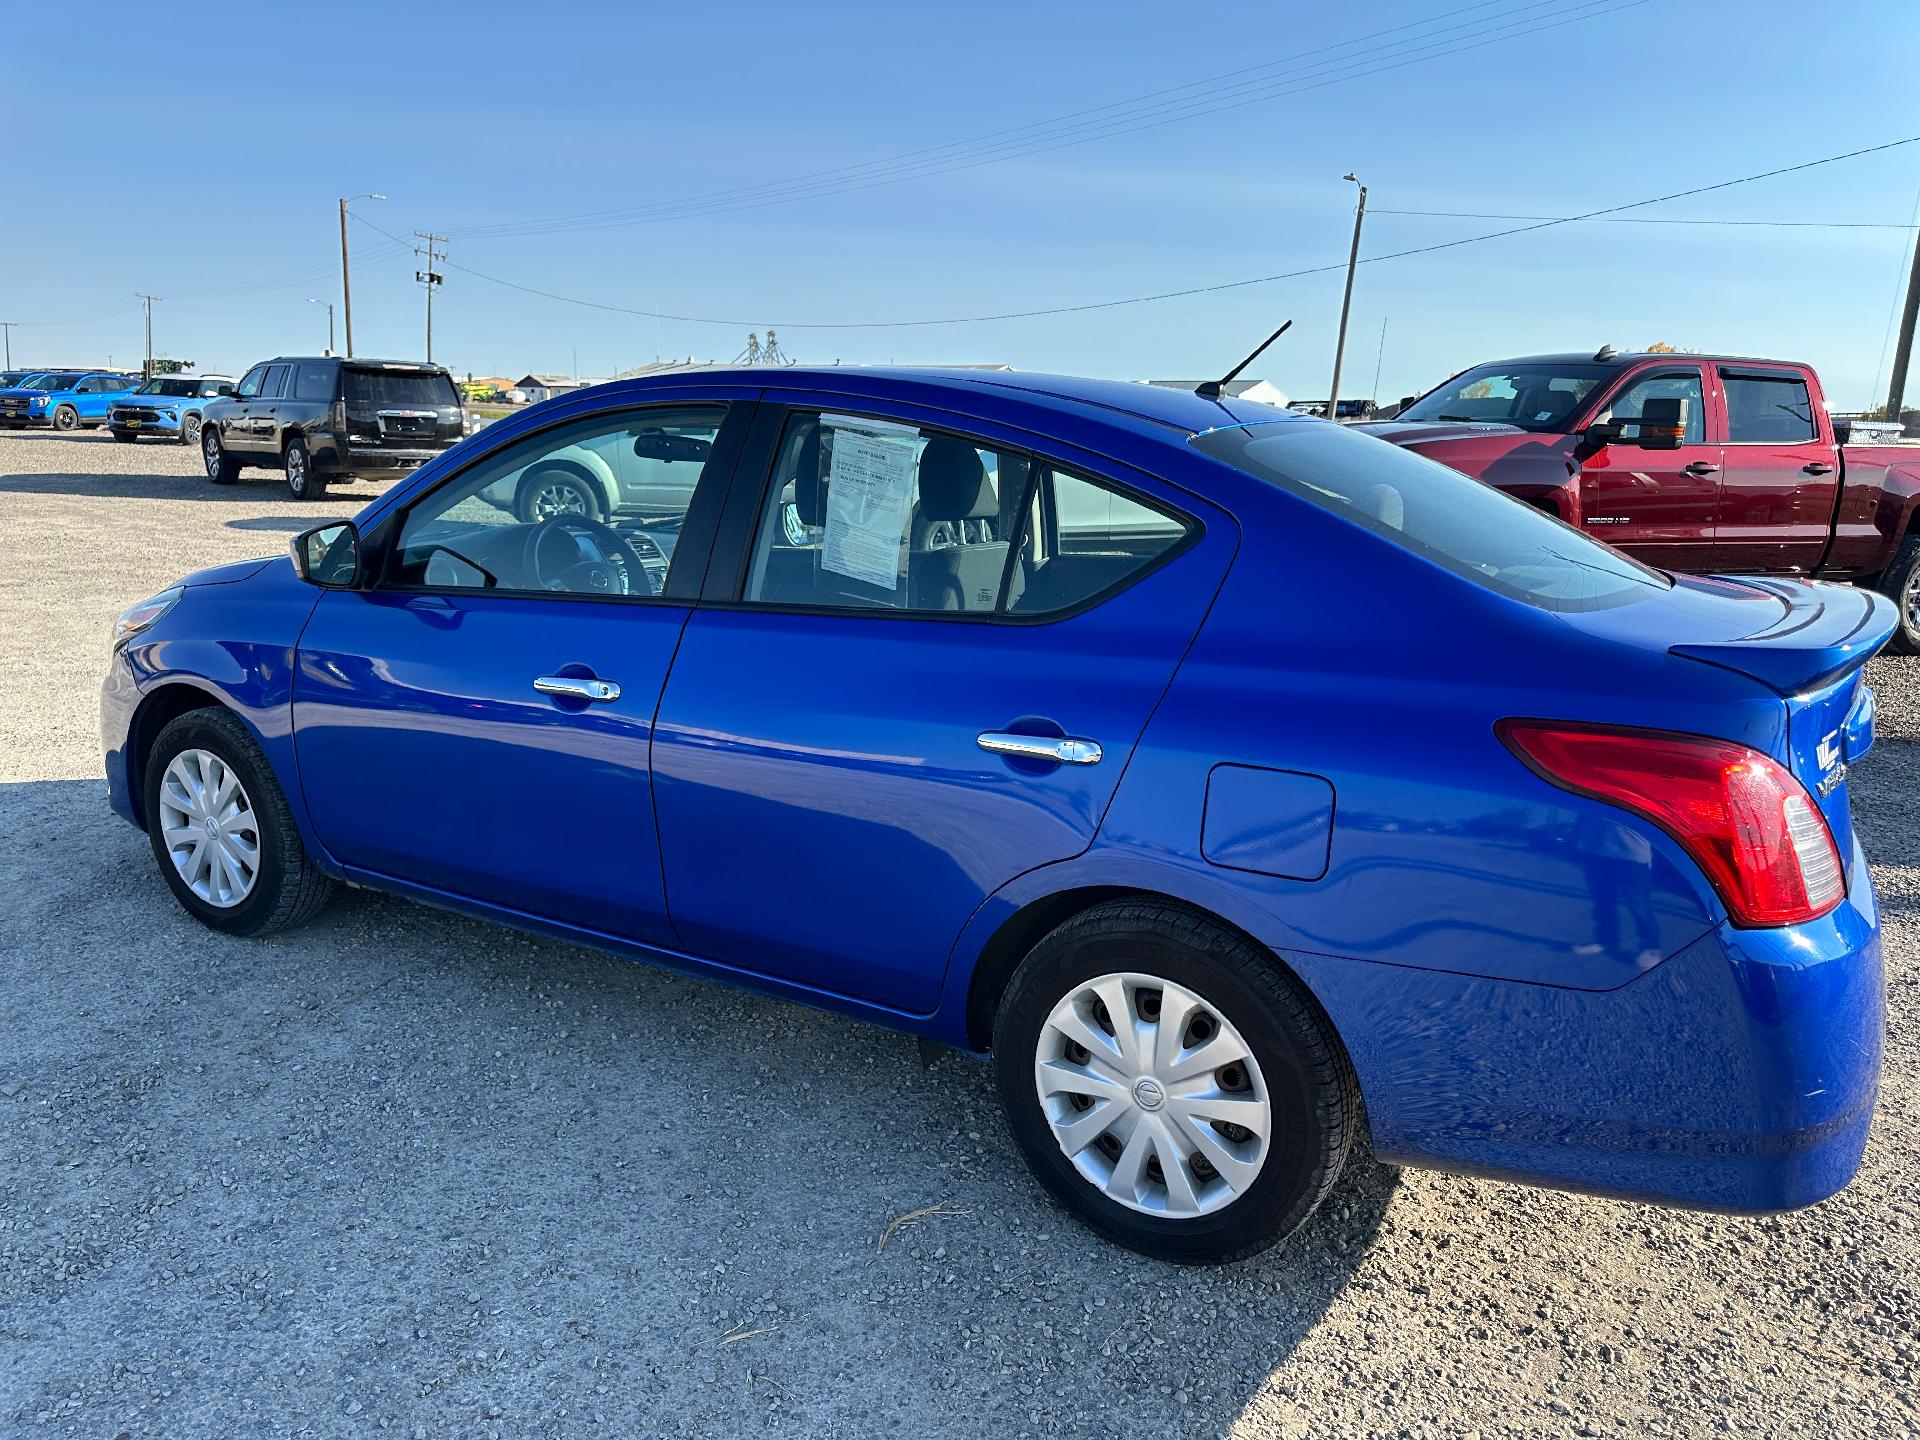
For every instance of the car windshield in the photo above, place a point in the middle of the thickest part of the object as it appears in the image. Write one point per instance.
(168, 385)
(1537, 397)
(1437, 513)
(398, 390)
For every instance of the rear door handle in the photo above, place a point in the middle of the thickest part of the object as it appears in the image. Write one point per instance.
(1818, 467)
(1061, 750)
(1701, 467)
(576, 687)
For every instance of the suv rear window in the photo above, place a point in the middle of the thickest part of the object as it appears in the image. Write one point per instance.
(398, 390)
(1437, 513)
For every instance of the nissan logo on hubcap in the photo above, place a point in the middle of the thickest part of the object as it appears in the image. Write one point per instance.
(1147, 1093)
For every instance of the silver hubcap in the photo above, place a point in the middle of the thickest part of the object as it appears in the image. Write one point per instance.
(1153, 1095)
(212, 451)
(207, 825)
(1913, 600)
(552, 500)
(296, 471)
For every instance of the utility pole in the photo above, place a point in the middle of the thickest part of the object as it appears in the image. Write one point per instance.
(146, 370)
(1903, 352)
(7, 326)
(346, 284)
(429, 277)
(1346, 303)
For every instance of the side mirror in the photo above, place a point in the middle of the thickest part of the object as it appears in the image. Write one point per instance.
(226, 390)
(328, 555)
(1843, 432)
(1663, 423)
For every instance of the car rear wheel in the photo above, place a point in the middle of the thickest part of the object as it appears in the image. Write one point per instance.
(1900, 583)
(222, 468)
(222, 831)
(303, 482)
(547, 494)
(66, 418)
(1171, 1084)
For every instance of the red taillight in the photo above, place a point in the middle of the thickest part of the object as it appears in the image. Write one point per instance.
(1742, 816)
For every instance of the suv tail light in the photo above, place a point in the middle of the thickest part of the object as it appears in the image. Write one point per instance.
(1743, 817)
(337, 417)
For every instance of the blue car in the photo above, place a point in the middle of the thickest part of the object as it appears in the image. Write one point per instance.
(168, 406)
(1046, 719)
(64, 399)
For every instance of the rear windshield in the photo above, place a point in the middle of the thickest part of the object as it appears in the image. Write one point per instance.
(1439, 514)
(399, 389)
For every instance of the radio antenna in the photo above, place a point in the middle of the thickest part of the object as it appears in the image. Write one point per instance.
(1214, 389)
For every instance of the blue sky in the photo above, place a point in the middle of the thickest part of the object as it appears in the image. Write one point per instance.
(200, 151)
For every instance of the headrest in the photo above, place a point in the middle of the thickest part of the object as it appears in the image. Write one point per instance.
(953, 482)
(809, 486)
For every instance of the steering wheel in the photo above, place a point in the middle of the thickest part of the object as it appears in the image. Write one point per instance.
(555, 559)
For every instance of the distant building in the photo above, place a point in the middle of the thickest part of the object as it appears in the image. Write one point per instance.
(544, 387)
(1263, 392)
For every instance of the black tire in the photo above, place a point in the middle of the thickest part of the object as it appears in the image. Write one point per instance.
(190, 430)
(126, 437)
(542, 485)
(303, 481)
(1900, 583)
(222, 468)
(287, 889)
(1314, 1099)
(66, 419)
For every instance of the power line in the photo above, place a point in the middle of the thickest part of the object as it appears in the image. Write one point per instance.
(1661, 220)
(1040, 137)
(1186, 292)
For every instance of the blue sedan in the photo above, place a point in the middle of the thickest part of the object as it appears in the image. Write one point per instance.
(1250, 790)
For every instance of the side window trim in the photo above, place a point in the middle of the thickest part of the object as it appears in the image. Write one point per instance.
(696, 528)
(1724, 373)
(748, 501)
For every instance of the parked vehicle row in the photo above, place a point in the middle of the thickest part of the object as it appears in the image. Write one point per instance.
(1049, 718)
(1709, 464)
(167, 406)
(62, 399)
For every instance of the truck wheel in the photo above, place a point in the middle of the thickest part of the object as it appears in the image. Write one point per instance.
(66, 418)
(1900, 583)
(1172, 1084)
(303, 482)
(222, 468)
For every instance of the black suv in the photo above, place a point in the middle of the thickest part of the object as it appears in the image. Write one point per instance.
(320, 418)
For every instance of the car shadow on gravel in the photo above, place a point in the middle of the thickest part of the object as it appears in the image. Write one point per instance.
(190, 486)
(377, 1157)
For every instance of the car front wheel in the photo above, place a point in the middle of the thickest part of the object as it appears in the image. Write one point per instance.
(222, 469)
(222, 832)
(190, 430)
(548, 494)
(1172, 1084)
(66, 418)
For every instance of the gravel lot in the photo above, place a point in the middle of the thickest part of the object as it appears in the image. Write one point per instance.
(404, 1173)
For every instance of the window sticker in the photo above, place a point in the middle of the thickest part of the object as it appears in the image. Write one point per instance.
(869, 495)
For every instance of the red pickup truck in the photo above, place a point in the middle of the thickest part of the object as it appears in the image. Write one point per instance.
(1703, 463)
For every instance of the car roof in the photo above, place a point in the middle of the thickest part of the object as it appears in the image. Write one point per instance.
(356, 360)
(1625, 358)
(1180, 410)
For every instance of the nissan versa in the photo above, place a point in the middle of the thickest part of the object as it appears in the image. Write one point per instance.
(1048, 718)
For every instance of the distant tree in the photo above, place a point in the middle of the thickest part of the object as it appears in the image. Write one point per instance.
(163, 366)
(1660, 347)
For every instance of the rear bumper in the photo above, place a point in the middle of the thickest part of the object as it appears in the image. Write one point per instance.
(371, 462)
(1740, 1075)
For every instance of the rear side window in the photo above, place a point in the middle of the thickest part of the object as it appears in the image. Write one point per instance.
(1437, 513)
(870, 514)
(1768, 409)
(313, 382)
(275, 385)
(398, 390)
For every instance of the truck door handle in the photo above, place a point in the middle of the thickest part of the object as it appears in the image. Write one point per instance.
(576, 687)
(1818, 467)
(1701, 467)
(1061, 750)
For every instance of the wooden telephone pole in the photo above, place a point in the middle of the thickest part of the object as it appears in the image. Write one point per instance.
(1903, 352)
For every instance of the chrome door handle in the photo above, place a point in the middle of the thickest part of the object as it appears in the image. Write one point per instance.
(576, 688)
(1061, 751)
(1700, 467)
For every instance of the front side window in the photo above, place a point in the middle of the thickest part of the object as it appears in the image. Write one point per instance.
(594, 507)
(250, 384)
(1630, 404)
(873, 515)
(1437, 513)
(1768, 409)
(57, 381)
(1539, 397)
